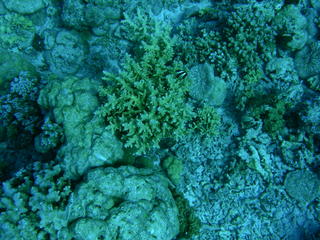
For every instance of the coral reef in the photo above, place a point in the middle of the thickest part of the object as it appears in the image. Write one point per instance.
(108, 199)
(307, 60)
(88, 143)
(147, 100)
(25, 7)
(161, 120)
(205, 86)
(34, 204)
(50, 137)
(16, 31)
(302, 185)
(291, 27)
(100, 207)
(68, 53)
(20, 113)
(98, 15)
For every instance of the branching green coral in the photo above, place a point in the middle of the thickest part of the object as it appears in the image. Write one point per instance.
(141, 26)
(207, 121)
(146, 101)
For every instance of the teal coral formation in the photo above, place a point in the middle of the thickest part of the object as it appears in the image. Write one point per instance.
(33, 203)
(171, 119)
(121, 196)
(205, 86)
(94, 14)
(291, 27)
(20, 113)
(98, 208)
(302, 185)
(239, 49)
(16, 31)
(307, 60)
(51, 137)
(75, 101)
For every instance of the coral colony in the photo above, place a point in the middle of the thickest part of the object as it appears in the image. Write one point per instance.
(159, 119)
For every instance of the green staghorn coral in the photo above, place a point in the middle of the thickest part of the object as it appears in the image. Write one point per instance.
(147, 101)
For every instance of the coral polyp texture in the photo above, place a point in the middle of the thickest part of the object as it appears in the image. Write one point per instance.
(159, 120)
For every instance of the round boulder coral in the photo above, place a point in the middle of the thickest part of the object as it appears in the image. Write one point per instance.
(307, 60)
(205, 86)
(123, 203)
(302, 185)
(68, 54)
(291, 27)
